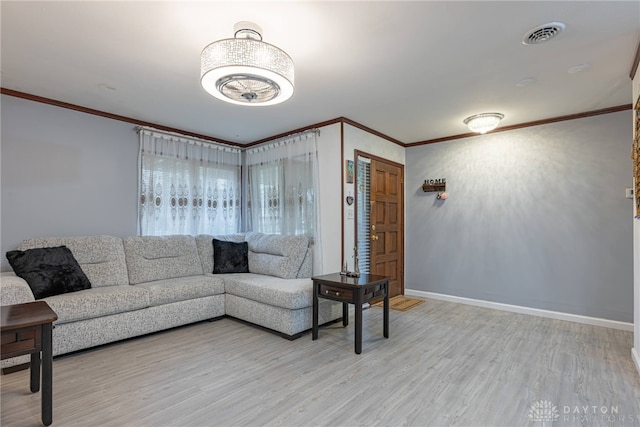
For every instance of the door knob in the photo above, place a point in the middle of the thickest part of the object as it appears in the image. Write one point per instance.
(374, 237)
(373, 227)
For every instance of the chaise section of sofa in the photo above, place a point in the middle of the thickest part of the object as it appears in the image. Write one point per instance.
(282, 305)
(277, 292)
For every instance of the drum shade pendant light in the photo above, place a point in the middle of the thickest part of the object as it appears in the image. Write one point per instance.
(245, 70)
(483, 123)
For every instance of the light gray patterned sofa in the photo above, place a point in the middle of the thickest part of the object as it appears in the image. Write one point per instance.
(146, 284)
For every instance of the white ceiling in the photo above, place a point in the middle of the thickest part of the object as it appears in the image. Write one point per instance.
(410, 70)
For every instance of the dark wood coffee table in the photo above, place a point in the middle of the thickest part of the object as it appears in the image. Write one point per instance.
(351, 290)
(27, 329)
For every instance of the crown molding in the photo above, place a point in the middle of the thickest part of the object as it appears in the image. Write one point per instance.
(291, 132)
(527, 124)
(369, 130)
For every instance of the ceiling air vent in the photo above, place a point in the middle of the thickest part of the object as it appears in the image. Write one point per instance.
(543, 33)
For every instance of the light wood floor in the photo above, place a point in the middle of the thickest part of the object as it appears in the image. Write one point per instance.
(444, 364)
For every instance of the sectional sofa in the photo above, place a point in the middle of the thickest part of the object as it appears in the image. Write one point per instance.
(141, 285)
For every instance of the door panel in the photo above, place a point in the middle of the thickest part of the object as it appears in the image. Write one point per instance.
(392, 211)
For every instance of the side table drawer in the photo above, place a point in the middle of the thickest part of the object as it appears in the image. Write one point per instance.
(23, 341)
(339, 294)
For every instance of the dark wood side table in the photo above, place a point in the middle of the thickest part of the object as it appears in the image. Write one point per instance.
(351, 290)
(27, 329)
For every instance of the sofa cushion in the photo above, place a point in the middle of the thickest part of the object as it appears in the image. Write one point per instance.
(291, 293)
(205, 247)
(182, 288)
(151, 258)
(49, 271)
(100, 257)
(230, 257)
(276, 255)
(98, 302)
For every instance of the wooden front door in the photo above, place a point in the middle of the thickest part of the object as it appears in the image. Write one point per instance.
(387, 222)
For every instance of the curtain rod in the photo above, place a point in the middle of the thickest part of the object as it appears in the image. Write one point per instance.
(294, 135)
(282, 140)
(240, 149)
(179, 135)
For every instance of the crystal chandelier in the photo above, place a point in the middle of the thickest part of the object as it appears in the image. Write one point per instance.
(245, 70)
(483, 123)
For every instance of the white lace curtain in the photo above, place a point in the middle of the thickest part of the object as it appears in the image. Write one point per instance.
(187, 186)
(282, 193)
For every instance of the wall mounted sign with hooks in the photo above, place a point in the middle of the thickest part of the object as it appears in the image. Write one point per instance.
(439, 184)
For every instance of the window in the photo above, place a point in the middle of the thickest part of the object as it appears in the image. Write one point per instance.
(283, 189)
(281, 196)
(187, 186)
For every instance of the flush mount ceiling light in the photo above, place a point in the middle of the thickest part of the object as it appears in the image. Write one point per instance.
(245, 70)
(483, 123)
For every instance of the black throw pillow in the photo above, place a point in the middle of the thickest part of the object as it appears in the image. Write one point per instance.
(49, 271)
(230, 257)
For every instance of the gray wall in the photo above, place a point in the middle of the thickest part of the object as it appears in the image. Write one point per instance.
(64, 173)
(535, 217)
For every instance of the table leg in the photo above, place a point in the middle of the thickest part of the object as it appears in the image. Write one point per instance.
(385, 311)
(35, 372)
(345, 314)
(47, 375)
(358, 312)
(314, 329)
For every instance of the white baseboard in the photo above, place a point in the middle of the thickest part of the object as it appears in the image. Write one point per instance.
(595, 321)
(636, 358)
